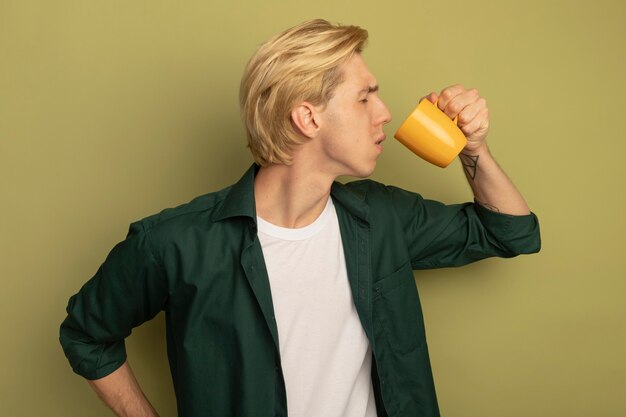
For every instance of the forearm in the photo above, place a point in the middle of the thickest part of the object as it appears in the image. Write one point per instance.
(490, 184)
(122, 393)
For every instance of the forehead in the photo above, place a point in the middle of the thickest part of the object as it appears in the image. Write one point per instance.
(356, 73)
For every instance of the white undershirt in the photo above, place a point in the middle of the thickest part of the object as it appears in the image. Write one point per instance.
(325, 354)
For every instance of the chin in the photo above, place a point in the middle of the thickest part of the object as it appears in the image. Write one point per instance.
(364, 172)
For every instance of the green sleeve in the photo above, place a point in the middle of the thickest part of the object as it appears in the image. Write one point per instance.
(440, 235)
(128, 289)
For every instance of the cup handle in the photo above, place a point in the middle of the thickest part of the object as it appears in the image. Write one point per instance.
(456, 119)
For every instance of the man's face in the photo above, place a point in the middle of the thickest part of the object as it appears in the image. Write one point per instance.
(351, 125)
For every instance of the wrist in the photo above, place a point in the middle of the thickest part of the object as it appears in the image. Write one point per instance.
(475, 149)
(475, 159)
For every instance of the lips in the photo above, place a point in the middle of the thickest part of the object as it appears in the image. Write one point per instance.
(380, 139)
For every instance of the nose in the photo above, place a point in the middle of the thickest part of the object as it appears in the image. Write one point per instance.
(385, 114)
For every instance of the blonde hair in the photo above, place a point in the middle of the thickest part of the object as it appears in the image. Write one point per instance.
(299, 64)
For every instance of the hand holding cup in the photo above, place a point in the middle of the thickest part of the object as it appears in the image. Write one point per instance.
(431, 132)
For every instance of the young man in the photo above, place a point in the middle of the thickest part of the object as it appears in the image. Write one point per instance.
(289, 293)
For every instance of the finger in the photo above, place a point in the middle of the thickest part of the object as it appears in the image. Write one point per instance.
(448, 94)
(480, 122)
(459, 102)
(432, 97)
(471, 111)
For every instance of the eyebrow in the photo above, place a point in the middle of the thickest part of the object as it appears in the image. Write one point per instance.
(370, 89)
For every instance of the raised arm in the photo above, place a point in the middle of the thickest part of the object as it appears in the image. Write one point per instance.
(491, 186)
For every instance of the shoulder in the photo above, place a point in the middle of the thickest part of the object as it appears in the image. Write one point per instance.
(378, 200)
(374, 192)
(197, 211)
(367, 189)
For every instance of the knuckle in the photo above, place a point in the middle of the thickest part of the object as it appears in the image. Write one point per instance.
(467, 129)
(464, 118)
(453, 109)
(446, 94)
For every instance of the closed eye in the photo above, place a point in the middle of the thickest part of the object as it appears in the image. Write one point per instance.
(368, 90)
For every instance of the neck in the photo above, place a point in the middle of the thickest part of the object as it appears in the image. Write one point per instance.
(291, 196)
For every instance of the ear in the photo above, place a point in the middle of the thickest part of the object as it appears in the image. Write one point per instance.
(303, 118)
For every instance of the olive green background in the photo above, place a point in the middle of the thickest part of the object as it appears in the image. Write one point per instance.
(111, 111)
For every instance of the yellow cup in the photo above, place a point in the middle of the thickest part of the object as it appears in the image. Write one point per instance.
(431, 134)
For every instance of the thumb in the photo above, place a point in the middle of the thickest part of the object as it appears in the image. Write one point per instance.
(432, 97)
